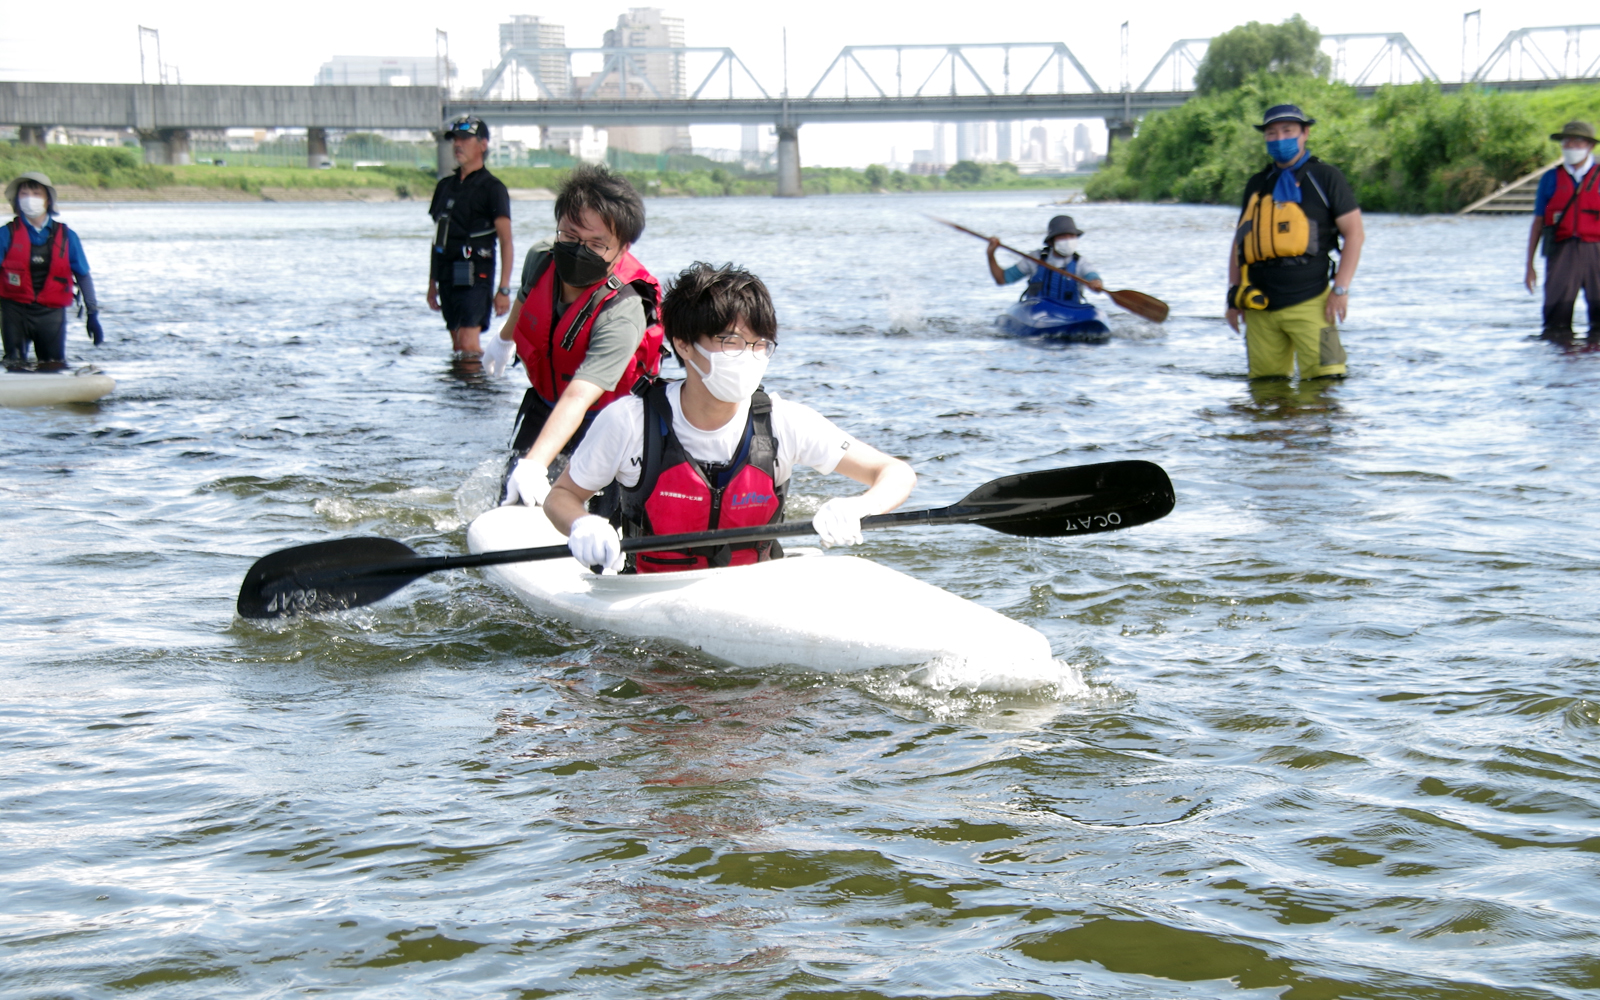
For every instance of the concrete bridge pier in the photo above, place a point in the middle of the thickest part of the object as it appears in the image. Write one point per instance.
(32, 135)
(447, 155)
(317, 148)
(166, 147)
(789, 162)
(1118, 131)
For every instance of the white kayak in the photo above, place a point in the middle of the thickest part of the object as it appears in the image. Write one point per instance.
(834, 613)
(44, 388)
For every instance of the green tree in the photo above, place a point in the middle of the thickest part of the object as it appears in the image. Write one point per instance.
(964, 174)
(1287, 49)
(877, 176)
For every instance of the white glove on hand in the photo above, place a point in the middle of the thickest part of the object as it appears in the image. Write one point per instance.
(838, 522)
(529, 483)
(497, 354)
(594, 542)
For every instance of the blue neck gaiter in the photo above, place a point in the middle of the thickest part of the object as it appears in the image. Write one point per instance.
(1287, 189)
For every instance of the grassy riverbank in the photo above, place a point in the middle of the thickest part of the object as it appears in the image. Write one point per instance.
(1409, 149)
(99, 174)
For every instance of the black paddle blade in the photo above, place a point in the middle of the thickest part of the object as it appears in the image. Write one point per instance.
(1081, 501)
(325, 576)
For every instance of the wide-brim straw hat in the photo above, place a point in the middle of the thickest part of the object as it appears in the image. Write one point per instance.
(38, 178)
(1574, 130)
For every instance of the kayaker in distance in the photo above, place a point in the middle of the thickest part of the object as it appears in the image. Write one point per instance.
(588, 286)
(714, 450)
(1567, 207)
(1295, 211)
(40, 259)
(1061, 249)
(471, 211)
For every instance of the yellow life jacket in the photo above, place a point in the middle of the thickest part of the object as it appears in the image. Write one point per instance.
(1268, 230)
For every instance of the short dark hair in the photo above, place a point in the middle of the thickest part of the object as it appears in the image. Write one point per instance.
(592, 186)
(703, 301)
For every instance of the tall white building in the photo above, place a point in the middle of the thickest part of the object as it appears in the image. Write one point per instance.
(649, 27)
(533, 76)
(972, 142)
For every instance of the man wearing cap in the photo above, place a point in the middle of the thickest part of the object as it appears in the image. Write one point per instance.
(1566, 218)
(40, 261)
(471, 210)
(1061, 250)
(1294, 215)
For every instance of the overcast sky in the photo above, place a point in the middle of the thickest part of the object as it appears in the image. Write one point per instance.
(285, 42)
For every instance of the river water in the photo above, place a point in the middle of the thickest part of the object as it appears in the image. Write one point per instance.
(1334, 738)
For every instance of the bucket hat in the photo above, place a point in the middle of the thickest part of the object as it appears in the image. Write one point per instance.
(1284, 113)
(1062, 225)
(1575, 130)
(39, 179)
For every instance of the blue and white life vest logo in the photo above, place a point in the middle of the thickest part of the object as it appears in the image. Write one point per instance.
(737, 500)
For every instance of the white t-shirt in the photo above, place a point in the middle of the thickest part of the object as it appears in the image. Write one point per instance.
(1028, 265)
(614, 446)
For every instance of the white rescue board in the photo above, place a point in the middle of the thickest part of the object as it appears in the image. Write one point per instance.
(44, 388)
(833, 613)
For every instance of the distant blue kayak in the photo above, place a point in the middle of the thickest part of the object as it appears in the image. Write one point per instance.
(1042, 318)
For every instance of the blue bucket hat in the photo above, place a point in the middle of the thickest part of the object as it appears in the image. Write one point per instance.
(1284, 113)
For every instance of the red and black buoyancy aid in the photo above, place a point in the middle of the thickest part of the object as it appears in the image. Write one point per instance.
(552, 350)
(675, 493)
(41, 275)
(1582, 218)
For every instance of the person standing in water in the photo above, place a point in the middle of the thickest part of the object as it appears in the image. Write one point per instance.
(1295, 212)
(40, 260)
(1566, 218)
(586, 325)
(471, 211)
(1060, 250)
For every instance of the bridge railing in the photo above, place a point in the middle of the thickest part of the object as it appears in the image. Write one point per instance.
(1390, 50)
(632, 72)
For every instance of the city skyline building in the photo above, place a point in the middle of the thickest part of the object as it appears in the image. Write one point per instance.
(521, 38)
(650, 27)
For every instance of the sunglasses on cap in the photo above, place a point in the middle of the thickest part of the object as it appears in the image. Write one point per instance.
(467, 126)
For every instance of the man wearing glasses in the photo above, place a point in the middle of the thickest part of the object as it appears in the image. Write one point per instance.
(471, 210)
(714, 450)
(586, 325)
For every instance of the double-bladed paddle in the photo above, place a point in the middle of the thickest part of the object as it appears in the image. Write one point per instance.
(353, 572)
(1147, 306)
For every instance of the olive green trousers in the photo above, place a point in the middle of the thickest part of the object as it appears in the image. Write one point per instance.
(1276, 339)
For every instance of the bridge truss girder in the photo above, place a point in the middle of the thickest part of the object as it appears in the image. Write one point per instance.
(955, 57)
(623, 65)
(1526, 46)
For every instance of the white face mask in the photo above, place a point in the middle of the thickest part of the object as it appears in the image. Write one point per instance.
(731, 379)
(1573, 157)
(32, 205)
(1067, 246)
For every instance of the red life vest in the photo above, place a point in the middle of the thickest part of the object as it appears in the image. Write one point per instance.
(1582, 220)
(675, 493)
(551, 359)
(24, 262)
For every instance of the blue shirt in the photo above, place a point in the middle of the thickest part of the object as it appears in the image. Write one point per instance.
(1547, 184)
(39, 237)
(1027, 267)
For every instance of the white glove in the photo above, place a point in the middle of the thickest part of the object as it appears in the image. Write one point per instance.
(594, 542)
(497, 354)
(529, 483)
(838, 522)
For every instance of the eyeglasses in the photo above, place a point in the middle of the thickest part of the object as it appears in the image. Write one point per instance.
(465, 126)
(732, 345)
(598, 246)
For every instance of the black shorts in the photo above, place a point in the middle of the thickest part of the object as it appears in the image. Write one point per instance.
(471, 306)
(24, 323)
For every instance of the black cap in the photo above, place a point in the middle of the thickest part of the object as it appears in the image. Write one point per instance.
(1284, 113)
(466, 125)
(1062, 225)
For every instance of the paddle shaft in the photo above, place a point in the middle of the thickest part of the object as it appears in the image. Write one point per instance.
(1019, 253)
(421, 565)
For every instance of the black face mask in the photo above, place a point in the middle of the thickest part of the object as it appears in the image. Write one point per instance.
(579, 266)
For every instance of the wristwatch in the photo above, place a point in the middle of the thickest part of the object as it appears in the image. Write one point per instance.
(1341, 291)
(504, 290)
